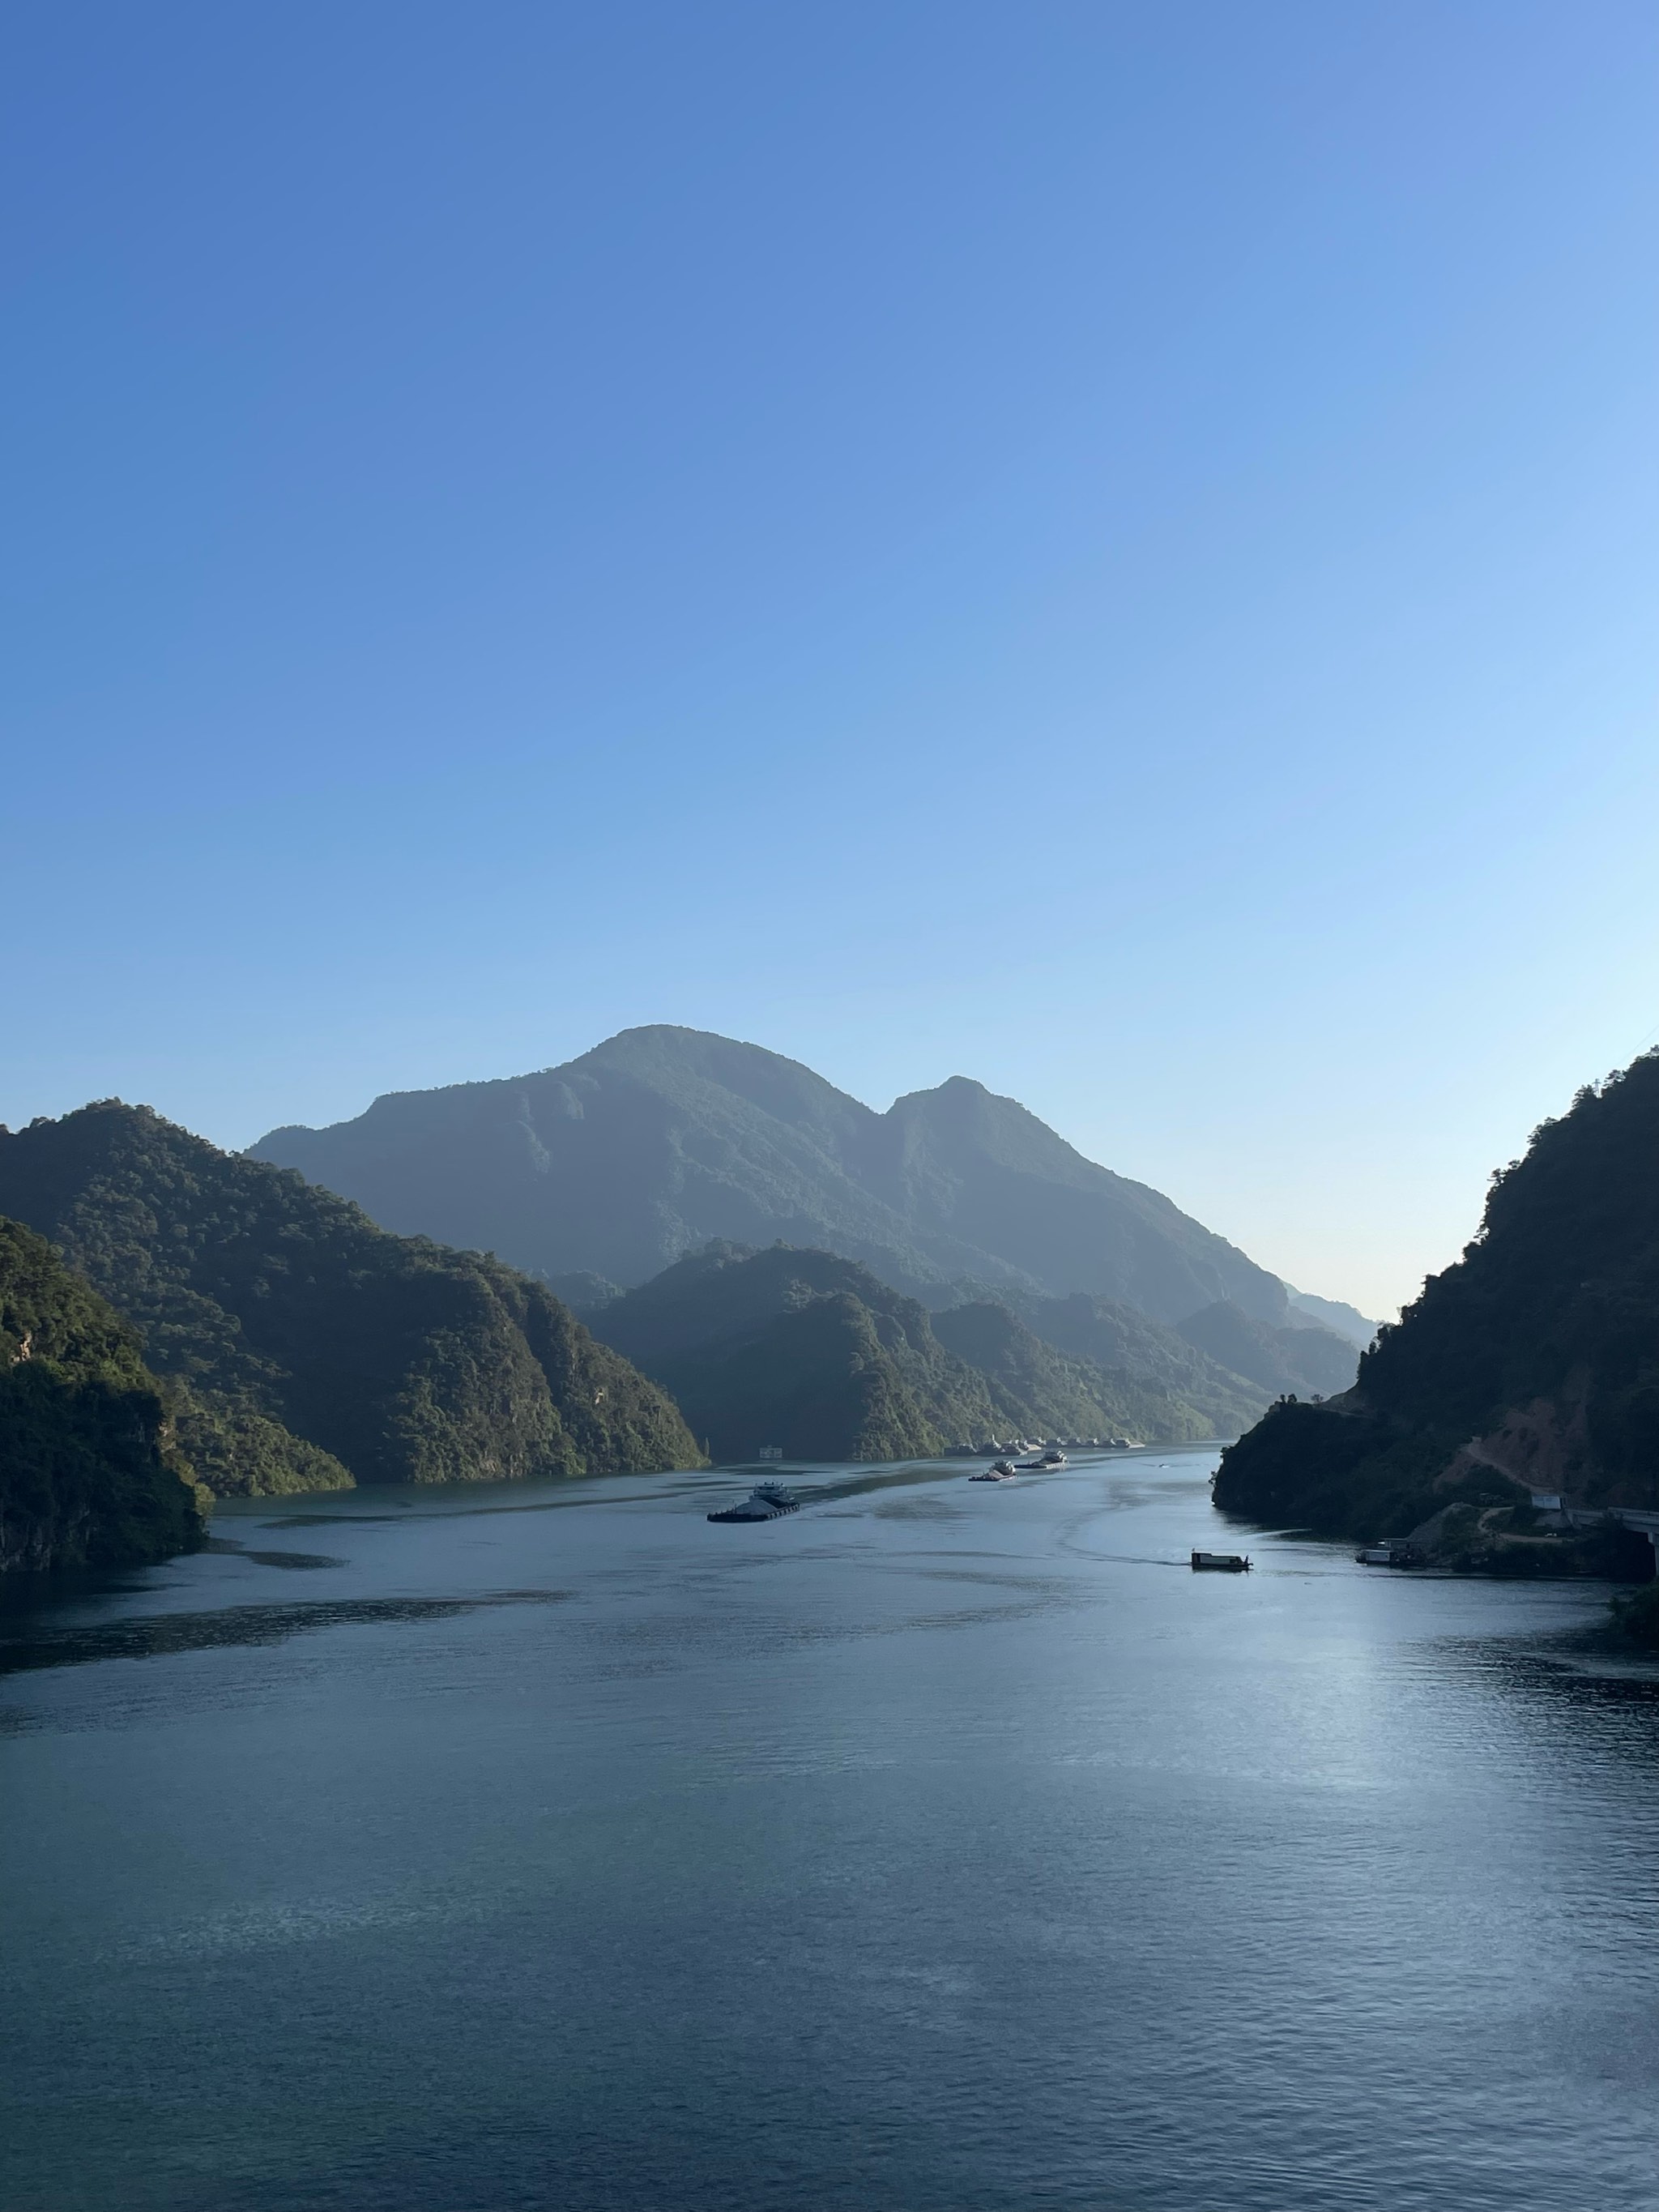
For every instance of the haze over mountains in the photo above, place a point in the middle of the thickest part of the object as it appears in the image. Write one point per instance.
(810, 1353)
(263, 1334)
(662, 1139)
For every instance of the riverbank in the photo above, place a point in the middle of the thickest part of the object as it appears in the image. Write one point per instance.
(1635, 1617)
(1342, 1471)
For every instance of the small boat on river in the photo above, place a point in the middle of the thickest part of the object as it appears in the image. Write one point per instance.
(1051, 1458)
(1393, 1551)
(767, 1501)
(1220, 1563)
(1003, 1471)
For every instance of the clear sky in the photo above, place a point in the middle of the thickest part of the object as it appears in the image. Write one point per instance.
(1111, 549)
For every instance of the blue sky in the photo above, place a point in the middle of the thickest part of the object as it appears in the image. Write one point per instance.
(1108, 548)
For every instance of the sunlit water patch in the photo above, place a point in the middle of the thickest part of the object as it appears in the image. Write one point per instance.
(938, 1846)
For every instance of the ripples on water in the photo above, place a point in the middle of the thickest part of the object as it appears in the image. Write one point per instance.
(937, 1847)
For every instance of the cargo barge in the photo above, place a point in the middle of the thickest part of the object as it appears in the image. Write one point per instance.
(767, 1501)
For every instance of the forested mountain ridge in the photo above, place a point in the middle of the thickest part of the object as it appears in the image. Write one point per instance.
(1532, 1361)
(89, 1474)
(663, 1140)
(801, 1350)
(812, 1352)
(1039, 1390)
(1344, 1320)
(1302, 1362)
(306, 1348)
(1181, 1391)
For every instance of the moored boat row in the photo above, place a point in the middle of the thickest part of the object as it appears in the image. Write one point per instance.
(1005, 1470)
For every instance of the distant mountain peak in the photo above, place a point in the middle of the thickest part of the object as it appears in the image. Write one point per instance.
(662, 1137)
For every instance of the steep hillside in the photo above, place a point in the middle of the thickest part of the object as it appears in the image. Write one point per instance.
(801, 1350)
(311, 1348)
(1040, 1391)
(1308, 1361)
(813, 1353)
(662, 1139)
(1343, 1321)
(88, 1474)
(1534, 1361)
(1181, 1393)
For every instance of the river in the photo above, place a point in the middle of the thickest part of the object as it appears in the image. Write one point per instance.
(944, 1845)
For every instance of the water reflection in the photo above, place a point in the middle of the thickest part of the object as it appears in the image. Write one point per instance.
(275, 1558)
(936, 1849)
(160, 1636)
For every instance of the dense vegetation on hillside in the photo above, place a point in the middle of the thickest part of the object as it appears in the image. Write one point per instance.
(1343, 1321)
(1177, 1392)
(1343, 1471)
(309, 1348)
(1041, 1391)
(661, 1139)
(1302, 1362)
(88, 1472)
(812, 1352)
(801, 1350)
(1534, 1361)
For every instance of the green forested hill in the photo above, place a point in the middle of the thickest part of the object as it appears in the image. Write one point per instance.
(1307, 1362)
(309, 1348)
(1179, 1393)
(813, 1353)
(801, 1350)
(1040, 1391)
(88, 1474)
(1534, 1361)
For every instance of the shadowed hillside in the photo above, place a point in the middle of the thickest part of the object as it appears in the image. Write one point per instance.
(1182, 1394)
(1533, 1363)
(813, 1354)
(1305, 1362)
(309, 1348)
(1039, 1390)
(1342, 1320)
(799, 1350)
(89, 1472)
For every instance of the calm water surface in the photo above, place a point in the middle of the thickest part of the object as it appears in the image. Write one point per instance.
(942, 1847)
